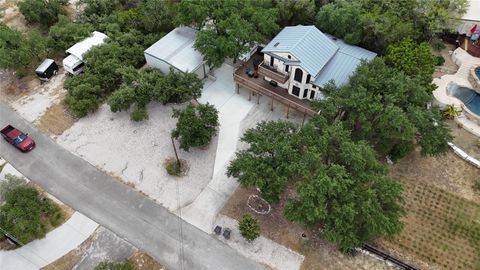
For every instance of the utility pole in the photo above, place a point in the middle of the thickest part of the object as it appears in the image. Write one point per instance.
(175, 150)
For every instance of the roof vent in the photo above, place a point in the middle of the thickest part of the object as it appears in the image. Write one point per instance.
(276, 44)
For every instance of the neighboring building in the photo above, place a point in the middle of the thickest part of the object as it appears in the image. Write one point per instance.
(73, 63)
(471, 18)
(175, 50)
(302, 60)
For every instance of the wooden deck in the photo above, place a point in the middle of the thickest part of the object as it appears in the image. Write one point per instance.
(259, 86)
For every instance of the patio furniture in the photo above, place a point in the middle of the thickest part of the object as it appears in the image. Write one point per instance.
(217, 230)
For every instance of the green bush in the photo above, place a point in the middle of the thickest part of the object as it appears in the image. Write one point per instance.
(21, 214)
(65, 33)
(57, 218)
(439, 60)
(41, 11)
(196, 125)
(11, 182)
(173, 168)
(438, 46)
(249, 227)
(106, 265)
(139, 114)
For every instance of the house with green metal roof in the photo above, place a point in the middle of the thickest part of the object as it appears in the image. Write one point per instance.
(302, 60)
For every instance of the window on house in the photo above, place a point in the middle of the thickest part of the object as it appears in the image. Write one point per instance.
(289, 56)
(312, 94)
(308, 78)
(298, 75)
(271, 61)
(296, 91)
(305, 93)
(286, 68)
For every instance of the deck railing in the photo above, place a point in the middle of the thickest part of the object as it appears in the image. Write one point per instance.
(269, 93)
(273, 74)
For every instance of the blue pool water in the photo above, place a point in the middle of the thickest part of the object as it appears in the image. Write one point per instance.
(469, 97)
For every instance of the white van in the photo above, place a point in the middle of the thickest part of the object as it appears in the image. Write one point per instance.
(73, 63)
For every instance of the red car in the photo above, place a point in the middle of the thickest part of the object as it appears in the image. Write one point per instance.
(17, 138)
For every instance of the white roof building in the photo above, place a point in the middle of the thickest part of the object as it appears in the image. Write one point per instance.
(79, 49)
(176, 50)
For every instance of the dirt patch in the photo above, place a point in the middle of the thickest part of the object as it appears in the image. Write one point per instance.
(319, 254)
(55, 120)
(465, 140)
(69, 260)
(441, 229)
(143, 261)
(447, 172)
(11, 16)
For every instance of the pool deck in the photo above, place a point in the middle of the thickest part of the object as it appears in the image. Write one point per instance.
(465, 63)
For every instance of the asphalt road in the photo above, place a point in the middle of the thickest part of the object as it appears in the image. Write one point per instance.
(116, 206)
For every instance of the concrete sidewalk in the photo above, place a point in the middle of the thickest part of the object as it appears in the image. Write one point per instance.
(54, 245)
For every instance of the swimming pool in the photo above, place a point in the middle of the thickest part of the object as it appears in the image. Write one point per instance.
(469, 97)
(477, 72)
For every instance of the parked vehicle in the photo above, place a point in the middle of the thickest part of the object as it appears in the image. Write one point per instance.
(73, 63)
(17, 138)
(47, 69)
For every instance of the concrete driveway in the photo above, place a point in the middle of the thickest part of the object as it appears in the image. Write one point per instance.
(131, 215)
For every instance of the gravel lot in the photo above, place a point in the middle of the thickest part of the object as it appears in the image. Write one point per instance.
(136, 152)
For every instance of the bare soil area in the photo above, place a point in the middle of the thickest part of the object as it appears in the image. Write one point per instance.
(443, 212)
(56, 119)
(143, 261)
(447, 172)
(465, 140)
(318, 253)
(11, 16)
(449, 67)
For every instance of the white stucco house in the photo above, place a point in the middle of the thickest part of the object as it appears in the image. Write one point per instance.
(175, 50)
(302, 60)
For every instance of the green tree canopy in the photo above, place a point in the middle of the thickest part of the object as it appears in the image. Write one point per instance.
(18, 51)
(389, 109)
(21, 215)
(343, 187)
(415, 60)
(377, 24)
(139, 88)
(196, 125)
(65, 33)
(266, 163)
(294, 12)
(42, 11)
(227, 28)
(340, 184)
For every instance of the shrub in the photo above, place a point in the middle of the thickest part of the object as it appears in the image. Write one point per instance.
(439, 60)
(450, 112)
(21, 214)
(83, 99)
(11, 182)
(57, 218)
(196, 125)
(249, 227)
(41, 11)
(173, 168)
(106, 265)
(438, 46)
(65, 33)
(139, 114)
